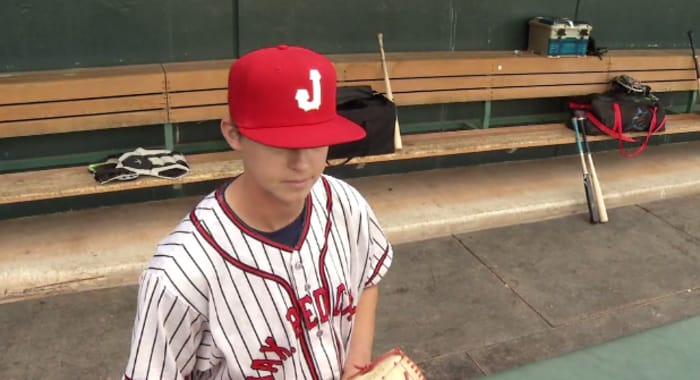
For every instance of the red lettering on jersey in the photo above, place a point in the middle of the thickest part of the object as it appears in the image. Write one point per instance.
(281, 352)
(309, 321)
(265, 365)
(305, 317)
(270, 365)
(338, 299)
(293, 318)
(321, 298)
(344, 302)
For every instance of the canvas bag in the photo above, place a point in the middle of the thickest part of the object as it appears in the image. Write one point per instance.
(628, 107)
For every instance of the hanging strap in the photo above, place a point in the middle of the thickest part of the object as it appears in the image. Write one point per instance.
(653, 127)
(614, 132)
(599, 124)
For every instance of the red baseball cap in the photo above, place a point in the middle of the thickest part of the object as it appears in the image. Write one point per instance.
(285, 97)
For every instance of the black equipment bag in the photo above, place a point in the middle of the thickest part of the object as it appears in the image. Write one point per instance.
(375, 113)
(628, 107)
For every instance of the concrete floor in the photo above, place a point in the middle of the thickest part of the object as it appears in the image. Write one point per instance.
(462, 306)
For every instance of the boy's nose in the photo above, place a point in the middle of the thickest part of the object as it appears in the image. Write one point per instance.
(299, 158)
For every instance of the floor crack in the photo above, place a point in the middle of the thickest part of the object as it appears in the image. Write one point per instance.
(476, 363)
(684, 232)
(503, 281)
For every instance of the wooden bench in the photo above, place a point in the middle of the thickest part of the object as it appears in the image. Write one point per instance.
(196, 91)
(36, 103)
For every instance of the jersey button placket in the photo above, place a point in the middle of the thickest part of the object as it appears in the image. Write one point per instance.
(300, 283)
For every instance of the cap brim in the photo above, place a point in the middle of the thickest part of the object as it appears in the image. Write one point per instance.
(335, 131)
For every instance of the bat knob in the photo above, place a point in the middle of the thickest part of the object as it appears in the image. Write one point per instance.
(580, 114)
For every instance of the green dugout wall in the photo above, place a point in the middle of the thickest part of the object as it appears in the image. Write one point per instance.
(44, 34)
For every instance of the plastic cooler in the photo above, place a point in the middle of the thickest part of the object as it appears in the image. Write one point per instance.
(558, 36)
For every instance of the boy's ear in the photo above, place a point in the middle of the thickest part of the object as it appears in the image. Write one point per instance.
(231, 134)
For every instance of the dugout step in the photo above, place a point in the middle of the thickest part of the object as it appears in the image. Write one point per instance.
(110, 246)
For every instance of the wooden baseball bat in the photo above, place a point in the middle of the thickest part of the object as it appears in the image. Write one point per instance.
(594, 217)
(397, 131)
(695, 60)
(600, 202)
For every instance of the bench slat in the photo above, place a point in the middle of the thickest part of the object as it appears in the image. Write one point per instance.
(412, 68)
(441, 97)
(532, 64)
(663, 86)
(534, 92)
(197, 98)
(427, 84)
(29, 87)
(672, 60)
(549, 79)
(189, 76)
(82, 123)
(35, 111)
(366, 66)
(181, 115)
(658, 75)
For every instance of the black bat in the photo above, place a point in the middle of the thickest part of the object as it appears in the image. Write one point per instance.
(587, 183)
(597, 189)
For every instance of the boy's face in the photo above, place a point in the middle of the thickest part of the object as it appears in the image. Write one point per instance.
(285, 174)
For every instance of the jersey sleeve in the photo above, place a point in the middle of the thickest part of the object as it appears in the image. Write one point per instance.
(166, 329)
(378, 251)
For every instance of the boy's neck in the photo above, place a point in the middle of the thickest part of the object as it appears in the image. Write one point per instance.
(257, 208)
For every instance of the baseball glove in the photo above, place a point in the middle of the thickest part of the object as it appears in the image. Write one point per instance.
(392, 365)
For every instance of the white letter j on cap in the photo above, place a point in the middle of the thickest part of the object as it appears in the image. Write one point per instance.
(303, 95)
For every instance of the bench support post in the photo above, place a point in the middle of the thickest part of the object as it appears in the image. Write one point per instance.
(169, 138)
(691, 101)
(487, 115)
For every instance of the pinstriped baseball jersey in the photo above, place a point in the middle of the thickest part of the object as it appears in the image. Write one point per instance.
(220, 301)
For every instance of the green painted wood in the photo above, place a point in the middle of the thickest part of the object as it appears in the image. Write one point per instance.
(202, 147)
(556, 117)
(55, 161)
(39, 34)
(80, 142)
(487, 115)
(692, 101)
(351, 26)
(641, 24)
(169, 136)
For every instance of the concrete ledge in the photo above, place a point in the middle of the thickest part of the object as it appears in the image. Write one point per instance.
(110, 246)
(442, 202)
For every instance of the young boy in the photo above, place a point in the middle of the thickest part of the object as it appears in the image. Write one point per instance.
(274, 275)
